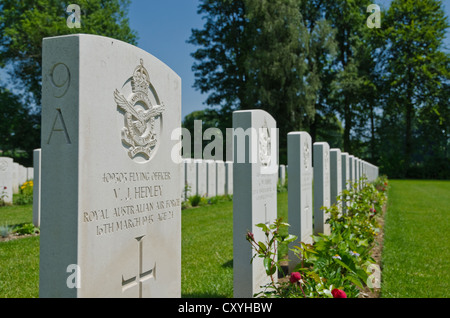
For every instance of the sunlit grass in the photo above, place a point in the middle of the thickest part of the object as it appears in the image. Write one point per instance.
(416, 254)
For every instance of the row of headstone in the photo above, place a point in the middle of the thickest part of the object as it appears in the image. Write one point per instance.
(317, 176)
(206, 178)
(111, 180)
(12, 176)
(331, 172)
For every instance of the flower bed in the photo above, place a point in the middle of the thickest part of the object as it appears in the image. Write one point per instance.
(335, 265)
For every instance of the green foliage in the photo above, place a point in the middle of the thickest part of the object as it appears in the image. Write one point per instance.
(415, 89)
(340, 260)
(23, 26)
(25, 195)
(25, 228)
(5, 230)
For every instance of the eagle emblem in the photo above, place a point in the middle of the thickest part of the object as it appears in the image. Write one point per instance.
(142, 118)
(264, 145)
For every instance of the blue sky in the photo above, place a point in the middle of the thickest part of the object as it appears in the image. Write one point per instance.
(164, 26)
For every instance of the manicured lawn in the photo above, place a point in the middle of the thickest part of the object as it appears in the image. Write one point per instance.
(415, 261)
(416, 254)
(19, 268)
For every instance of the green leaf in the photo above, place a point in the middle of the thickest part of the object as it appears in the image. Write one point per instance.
(270, 270)
(262, 246)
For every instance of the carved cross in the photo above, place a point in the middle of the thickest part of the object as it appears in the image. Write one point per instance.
(141, 276)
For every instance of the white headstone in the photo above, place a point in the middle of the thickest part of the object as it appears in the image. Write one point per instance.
(321, 155)
(110, 185)
(211, 178)
(335, 176)
(201, 169)
(22, 175)
(345, 176)
(300, 186)
(6, 180)
(220, 177)
(282, 174)
(190, 177)
(30, 173)
(15, 177)
(37, 187)
(351, 167)
(229, 177)
(255, 176)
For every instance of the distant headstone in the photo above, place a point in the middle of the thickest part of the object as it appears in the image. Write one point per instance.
(335, 176)
(255, 176)
(229, 177)
(15, 177)
(190, 177)
(110, 186)
(220, 177)
(210, 178)
(300, 187)
(282, 174)
(201, 180)
(321, 155)
(345, 176)
(351, 170)
(22, 175)
(37, 187)
(6, 180)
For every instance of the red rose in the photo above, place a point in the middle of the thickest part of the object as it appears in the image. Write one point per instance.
(295, 277)
(338, 293)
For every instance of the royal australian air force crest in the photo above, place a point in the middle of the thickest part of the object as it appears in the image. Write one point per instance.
(143, 114)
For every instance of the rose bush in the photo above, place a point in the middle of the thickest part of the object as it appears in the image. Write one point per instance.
(338, 262)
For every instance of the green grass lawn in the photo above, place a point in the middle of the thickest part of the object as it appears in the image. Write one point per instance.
(415, 261)
(416, 253)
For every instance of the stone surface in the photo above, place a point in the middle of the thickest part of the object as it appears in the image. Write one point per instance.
(201, 181)
(335, 176)
(6, 180)
(37, 187)
(190, 171)
(220, 177)
(110, 188)
(211, 178)
(255, 176)
(282, 174)
(345, 175)
(229, 177)
(321, 157)
(300, 187)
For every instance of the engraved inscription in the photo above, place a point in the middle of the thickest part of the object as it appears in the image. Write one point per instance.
(3, 165)
(143, 121)
(306, 155)
(135, 203)
(59, 126)
(60, 79)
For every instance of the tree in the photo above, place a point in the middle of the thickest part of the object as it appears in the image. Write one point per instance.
(23, 25)
(416, 72)
(19, 128)
(252, 55)
(348, 18)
